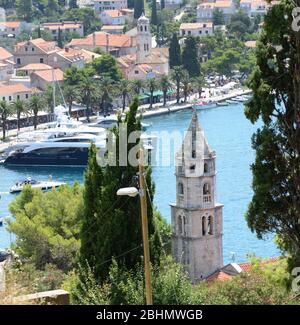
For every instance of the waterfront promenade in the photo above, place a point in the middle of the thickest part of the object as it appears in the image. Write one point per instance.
(157, 109)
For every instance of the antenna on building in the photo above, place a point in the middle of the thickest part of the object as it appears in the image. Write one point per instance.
(232, 254)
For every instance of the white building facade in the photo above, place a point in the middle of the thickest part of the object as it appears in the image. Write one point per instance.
(196, 29)
(196, 216)
(102, 5)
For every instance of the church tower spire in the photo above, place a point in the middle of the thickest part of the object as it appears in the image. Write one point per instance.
(196, 217)
(144, 38)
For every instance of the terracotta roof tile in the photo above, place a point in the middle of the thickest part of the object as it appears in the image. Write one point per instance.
(4, 54)
(36, 66)
(112, 13)
(47, 75)
(10, 24)
(218, 276)
(101, 39)
(63, 25)
(13, 89)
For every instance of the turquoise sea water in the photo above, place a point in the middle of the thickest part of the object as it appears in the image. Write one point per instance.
(228, 133)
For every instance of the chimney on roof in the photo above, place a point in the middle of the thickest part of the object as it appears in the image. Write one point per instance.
(67, 49)
(131, 41)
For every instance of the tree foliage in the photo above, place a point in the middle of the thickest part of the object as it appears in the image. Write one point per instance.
(47, 226)
(138, 8)
(174, 52)
(116, 223)
(275, 205)
(190, 59)
(106, 66)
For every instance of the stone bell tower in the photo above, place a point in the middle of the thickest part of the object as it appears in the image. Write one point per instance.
(144, 38)
(196, 217)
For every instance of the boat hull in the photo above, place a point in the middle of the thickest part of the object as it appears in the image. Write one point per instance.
(78, 157)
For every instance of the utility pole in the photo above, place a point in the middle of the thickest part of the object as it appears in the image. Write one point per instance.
(143, 200)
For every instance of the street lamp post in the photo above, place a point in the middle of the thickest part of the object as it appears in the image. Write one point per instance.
(132, 191)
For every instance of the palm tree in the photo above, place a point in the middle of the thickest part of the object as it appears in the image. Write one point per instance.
(137, 85)
(5, 112)
(71, 94)
(152, 85)
(124, 88)
(176, 76)
(107, 86)
(36, 104)
(19, 106)
(88, 90)
(186, 84)
(199, 83)
(165, 85)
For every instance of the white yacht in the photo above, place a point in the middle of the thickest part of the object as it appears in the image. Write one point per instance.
(111, 121)
(43, 185)
(60, 152)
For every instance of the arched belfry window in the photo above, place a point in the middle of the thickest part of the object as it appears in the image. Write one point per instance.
(180, 189)
(203, 226)
(179, 225)
(206, 169)
(141, 28)
(145, 28)
(184, 225)
(210, 225)
(206, 189)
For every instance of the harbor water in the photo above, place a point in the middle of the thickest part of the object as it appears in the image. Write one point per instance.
(228, 133)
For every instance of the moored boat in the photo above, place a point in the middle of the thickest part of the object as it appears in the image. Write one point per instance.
(222, 103)
(42, 185)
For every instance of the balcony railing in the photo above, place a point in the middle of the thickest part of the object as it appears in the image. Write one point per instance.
(207, 198)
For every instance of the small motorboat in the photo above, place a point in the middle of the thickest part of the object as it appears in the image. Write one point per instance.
(42, 185)
(229, 101)
(1, 221)
(222, 104)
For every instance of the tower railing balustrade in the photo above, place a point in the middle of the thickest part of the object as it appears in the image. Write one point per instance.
(207, 198)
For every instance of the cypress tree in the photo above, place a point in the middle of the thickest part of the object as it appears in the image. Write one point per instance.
(162, 4)
(190, 57)
(154, 13)
(130, 3)
(92, 200)
(117, 221)
(60, 39)
(39, 34)
(174, 52)
(138, 8)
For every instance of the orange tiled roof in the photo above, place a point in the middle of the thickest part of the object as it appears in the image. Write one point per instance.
(63, 25)
(113, 13)
(10, 24)
(101, 39)
(246, 267)
(36, 66)
(39, 43)
(13, 89)
(4, 54)
(47, 75)
(71, 54)
(223, 3)
(219, 275)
